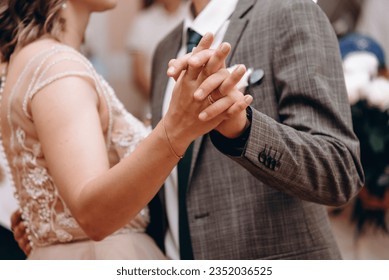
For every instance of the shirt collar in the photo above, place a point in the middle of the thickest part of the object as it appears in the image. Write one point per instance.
(211, 18)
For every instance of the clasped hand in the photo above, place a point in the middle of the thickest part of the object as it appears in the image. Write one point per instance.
(205, 96)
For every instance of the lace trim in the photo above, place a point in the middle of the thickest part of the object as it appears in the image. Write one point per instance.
(52, 79)
(50, 52)
(46, 216)
(36, 84)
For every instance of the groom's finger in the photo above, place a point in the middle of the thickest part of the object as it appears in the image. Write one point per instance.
(229, 83)
(216, 62)
(204, 44)
(16, 219)
(226, 107)
(176, 66)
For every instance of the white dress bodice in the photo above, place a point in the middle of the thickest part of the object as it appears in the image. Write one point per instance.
(45, 213)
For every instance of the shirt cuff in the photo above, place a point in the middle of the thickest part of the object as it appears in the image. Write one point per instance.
(233, 147)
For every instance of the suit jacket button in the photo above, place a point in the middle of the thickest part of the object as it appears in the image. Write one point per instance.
(269, 160)
(262, 156)
(273, 164)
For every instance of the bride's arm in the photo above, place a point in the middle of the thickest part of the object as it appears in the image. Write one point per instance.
(103, 199)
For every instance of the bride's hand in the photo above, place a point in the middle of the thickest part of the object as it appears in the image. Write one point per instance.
(202, 63)
(189, 117)
(19, 231)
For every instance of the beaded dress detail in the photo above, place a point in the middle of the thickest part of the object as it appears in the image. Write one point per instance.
(46, 215)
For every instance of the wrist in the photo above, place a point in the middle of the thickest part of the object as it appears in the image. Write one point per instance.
(235, 128)
(175, 138)
(233, 146)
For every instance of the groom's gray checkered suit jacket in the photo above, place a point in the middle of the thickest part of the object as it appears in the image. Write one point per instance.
(238, 207)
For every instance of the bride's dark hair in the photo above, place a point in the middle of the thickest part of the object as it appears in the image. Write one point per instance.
(23, 21)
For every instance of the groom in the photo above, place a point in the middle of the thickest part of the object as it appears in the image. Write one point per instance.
(259, 196)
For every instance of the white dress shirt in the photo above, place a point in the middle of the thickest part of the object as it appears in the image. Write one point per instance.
(215, 19)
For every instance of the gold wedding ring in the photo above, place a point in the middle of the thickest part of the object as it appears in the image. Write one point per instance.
(210, 99)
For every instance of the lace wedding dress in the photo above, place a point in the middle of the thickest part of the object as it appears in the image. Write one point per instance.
(53, 232)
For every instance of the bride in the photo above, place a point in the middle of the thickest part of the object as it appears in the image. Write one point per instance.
(84, 168)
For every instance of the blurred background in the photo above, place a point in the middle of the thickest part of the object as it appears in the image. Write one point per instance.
(120, 44)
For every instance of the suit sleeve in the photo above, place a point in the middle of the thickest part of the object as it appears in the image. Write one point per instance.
(311, 151)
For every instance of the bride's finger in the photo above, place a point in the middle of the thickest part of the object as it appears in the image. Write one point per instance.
(231, 80)
(217, 108)
(211, 84)
(176, 66)
(228, 85)
(205, 43)
(197, 61)
(200, 56)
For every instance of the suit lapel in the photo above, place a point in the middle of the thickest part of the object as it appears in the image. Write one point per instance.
(238, 23)
(160, 78)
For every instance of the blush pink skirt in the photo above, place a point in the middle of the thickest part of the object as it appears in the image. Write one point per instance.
(125, 246)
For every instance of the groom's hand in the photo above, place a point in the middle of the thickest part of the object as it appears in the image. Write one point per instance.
(235, 121)
(20, 232)
(200, 65)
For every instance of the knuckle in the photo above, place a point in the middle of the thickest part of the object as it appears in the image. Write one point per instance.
(226, 87)
(20, 244)
(241, 106)
(171, 62)
(218, 94)
(224, 71)
(206, 71)
(234, 79)
(26, 241)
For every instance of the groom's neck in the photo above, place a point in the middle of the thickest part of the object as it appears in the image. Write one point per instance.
(198, 6)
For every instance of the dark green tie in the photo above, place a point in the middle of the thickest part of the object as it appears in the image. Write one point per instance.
(193, 40)
(183, 169)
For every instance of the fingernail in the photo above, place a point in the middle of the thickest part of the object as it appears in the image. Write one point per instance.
(248, 99)
(241, 68)
(198, 94)
(194, 60)
(171, 70)
(203, 116)
(208, 34)
(225, 47)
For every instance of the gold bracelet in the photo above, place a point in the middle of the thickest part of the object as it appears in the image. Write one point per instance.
(168, 140)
